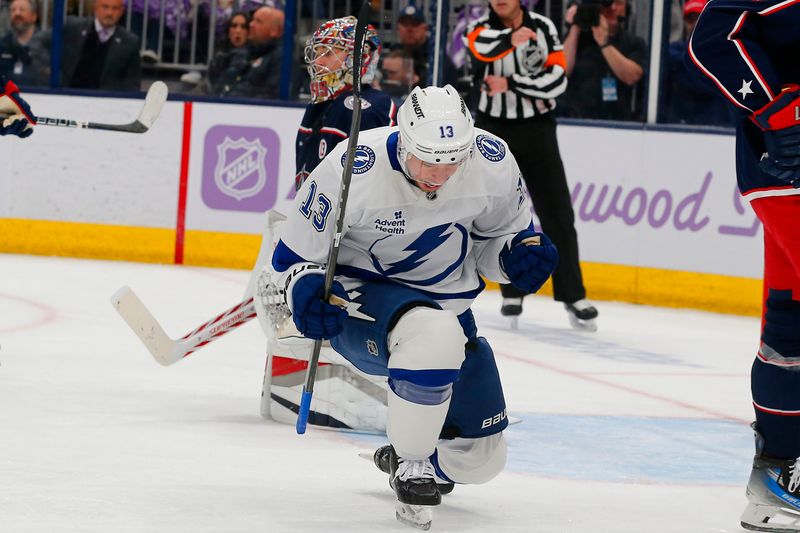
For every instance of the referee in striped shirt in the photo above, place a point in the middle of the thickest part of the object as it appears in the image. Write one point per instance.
(520, 65)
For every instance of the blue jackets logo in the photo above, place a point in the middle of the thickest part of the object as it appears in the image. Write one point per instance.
(490, 148)
(363, 160)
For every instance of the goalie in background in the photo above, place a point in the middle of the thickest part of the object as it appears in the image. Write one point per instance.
(17, 118)
(434, 205)
(329, 55)
(357, 401)
(748, 52)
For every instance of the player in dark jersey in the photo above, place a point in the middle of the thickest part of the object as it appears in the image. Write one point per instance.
(329, 54)
(750, 52)
(16, 117)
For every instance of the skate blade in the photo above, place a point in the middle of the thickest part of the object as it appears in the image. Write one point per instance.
(514, 322)
(582, 325)
(769, 518)
(417, 516)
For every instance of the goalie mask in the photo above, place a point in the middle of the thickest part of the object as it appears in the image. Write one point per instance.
(329, 55)
(436, 136)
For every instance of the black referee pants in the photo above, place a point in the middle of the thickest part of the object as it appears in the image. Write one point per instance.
(535, 147)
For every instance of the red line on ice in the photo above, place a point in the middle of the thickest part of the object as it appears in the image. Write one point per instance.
(625, 388)
(47, 314)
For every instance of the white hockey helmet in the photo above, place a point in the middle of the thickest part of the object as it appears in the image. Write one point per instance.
(435, 126)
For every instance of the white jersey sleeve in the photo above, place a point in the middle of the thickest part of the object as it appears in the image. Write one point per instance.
(310, 223)
(506, 215)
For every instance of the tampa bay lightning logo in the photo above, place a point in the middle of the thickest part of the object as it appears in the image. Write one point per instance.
(363, 160)
(429, 259)
(490, 148)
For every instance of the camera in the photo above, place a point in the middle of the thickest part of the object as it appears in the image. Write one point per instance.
(588, 13)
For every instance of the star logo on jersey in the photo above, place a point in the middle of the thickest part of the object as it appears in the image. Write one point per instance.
(490, 148)
(363, 160)
(430, 258)
(745, 90)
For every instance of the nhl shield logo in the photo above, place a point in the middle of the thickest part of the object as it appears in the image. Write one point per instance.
(372, 347)
(534, 58)
(240, 171)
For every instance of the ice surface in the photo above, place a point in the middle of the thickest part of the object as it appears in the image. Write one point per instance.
(640, 427)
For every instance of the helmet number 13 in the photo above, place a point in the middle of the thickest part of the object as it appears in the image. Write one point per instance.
(445, 132)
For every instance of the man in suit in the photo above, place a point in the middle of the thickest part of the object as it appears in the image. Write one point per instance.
(15, 53)
(98, 53)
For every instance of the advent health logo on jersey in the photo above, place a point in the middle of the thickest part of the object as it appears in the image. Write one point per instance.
(240, 168)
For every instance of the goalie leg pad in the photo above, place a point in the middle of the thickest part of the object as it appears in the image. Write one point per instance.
(471, 461)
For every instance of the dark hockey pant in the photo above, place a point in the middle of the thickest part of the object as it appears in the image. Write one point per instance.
(775, 376)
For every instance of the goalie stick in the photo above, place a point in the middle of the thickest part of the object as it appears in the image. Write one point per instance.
(341, 204)
(153, 102)
(164, 349)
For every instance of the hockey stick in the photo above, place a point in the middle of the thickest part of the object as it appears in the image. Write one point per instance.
(164, 349)
(347, 173)
(153, 102)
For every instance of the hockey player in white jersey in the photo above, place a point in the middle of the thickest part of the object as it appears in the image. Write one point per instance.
(434, 205)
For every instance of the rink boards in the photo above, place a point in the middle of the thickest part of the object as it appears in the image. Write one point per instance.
(658, 216)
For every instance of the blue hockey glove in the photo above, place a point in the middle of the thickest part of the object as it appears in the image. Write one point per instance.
(527, 264)
(17, 116)
(314, 318)
(780, 120)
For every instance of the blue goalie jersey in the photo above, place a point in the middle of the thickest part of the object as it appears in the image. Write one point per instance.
(326, 124)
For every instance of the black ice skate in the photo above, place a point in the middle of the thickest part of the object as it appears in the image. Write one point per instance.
(512, 308)
(415, 486)
(382, 460)
(582, 314)
(773, 493)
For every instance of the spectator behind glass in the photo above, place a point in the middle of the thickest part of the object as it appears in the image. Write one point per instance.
(236, 34)
(684, 100)
(397, 75)
(605, 65)
(412, 31)
(176, 20)
(97, 52)
(15, 55)
(255, 70)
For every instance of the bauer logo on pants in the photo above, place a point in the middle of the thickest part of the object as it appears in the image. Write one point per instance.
(240, 168)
